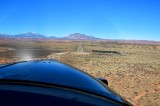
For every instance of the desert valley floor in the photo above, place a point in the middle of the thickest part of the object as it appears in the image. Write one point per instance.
(132, 70)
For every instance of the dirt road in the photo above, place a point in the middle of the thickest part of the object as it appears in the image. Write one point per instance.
(80, 48)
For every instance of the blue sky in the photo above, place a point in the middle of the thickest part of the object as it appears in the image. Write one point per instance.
(110, 19)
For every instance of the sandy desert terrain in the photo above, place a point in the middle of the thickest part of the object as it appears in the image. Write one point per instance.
(132, 70)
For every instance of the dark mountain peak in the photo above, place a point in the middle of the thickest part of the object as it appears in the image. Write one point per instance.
(30, 35)
(80, 36)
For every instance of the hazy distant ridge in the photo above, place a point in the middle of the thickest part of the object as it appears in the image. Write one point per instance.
(30, 35)
(80, 36)
(74, 36)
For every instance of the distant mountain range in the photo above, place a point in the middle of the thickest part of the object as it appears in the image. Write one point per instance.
(30, 35)
(81, 36)
(74, 36)
(5, 35)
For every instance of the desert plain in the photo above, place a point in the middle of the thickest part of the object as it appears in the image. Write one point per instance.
(132, 69)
